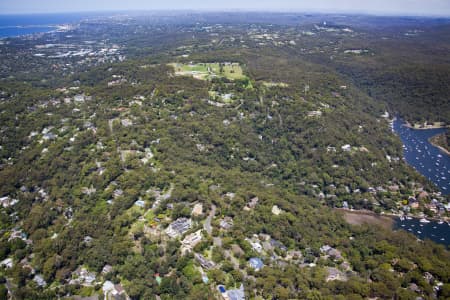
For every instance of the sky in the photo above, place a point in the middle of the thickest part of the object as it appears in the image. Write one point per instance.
(381, 7)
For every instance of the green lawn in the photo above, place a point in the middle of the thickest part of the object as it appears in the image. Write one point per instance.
(274, 84)
(206, 71)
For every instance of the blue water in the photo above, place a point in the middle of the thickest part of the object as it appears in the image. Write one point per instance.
(427, 159)
(17, 25)
(439, 233)
(19, 31)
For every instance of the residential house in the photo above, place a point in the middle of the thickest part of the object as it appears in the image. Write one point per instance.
(278, 244)
(230, 195)
(345, 205)
(325, 248)
(79, 98)
(252, 203)
(82, 276)
(49, 136)
(178, 227)
(190, 241)
(316, 113)
(256, 245)
(39, 280)
(393, 188)
(336, 254)
(335, 274)
(126, 122)
(423, 195)
(226, 223)
(117, 193)
(346, 148)
(7, 201)
(106, 269)
(330, 251)
(205, 263)
(197, 210)
(276, 210)
(17, 233)
(236, 294)
(114, 291)
(413, 203)
(294, 255)
(140, 203)
(256, 263)
(7, 263)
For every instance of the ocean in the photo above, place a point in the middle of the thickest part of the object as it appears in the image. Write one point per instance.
(18, 25)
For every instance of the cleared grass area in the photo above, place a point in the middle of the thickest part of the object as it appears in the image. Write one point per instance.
(275, 84)
(367, 217)
(207, 71)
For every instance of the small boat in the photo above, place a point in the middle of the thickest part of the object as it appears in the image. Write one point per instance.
(423, 220)
(419, 232)
(408, 218)
(440, 222)
(402, 218)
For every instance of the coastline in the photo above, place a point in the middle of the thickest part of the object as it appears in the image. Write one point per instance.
(28, 31)
(48, 29)
(389, 217)
(430, 140)
(440, 148)
(23, 25)
(427, 127)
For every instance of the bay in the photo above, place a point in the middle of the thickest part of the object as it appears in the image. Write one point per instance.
(439, 233)
(19, 25)
(428, 160)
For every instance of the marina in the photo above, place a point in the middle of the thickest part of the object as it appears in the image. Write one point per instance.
(428, 160)
(438, 232)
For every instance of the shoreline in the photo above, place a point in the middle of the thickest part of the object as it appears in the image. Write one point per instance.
(390, 216)
(409, 125)
(430, 140)
(441, 148)
(50, 29)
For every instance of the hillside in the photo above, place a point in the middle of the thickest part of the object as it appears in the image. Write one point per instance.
(181, 158)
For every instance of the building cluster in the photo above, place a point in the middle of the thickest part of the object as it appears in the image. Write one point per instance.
(204, 262)
(190, 241)
(178, 227)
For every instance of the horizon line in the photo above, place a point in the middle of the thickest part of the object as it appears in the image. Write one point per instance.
(238, 10)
